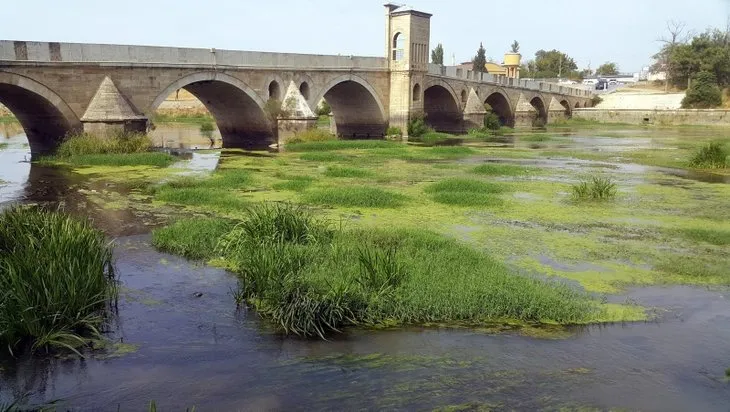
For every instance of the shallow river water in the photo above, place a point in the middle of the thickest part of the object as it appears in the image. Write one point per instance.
(180, 341)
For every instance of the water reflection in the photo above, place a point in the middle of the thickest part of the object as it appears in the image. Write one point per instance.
(184, 136)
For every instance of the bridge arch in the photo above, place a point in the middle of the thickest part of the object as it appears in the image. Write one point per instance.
(442, 108)
(356, 107)
(44, 115)
(501, 106)
(236, 108)
(538, 103)
(568, 109)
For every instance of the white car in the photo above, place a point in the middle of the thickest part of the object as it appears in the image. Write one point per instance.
(590, 82)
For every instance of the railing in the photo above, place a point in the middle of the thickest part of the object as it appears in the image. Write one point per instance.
(461, 73)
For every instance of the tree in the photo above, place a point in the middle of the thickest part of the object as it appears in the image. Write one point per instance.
(607, 69)
(703, 93)
(437, 55)
(479, 62)
(549, 64)
(676, 36)
(585, 73)
(515, 48)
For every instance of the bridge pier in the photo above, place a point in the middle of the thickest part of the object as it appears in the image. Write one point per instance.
(110, 114)
(474, 111)
(296, 116)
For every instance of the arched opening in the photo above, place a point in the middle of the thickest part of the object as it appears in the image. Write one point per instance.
(398, 47)
(45, 118)
(356, 110)
(499, 105)
(417, 92)
(442, 110)
(274, 90)
(304, 90)
(464, 96)
(577, 105)
(568, 110)
(541, 116)
(232, 106)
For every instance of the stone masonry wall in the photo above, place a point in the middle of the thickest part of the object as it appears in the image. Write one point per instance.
(711, 117)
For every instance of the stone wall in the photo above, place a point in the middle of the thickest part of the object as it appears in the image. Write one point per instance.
(709, 117)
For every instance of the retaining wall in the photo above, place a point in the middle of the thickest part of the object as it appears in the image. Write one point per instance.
(708, 117)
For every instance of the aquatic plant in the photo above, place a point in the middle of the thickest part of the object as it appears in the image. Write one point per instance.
(595, 188)
(339, 171)
(194, 238)
(340, 145)
(355, 196)
(56, 280)
(310, 279)
(713, 155)
(157, 159)
(312, 135)
(295, 184)
(465, 192)
(498, 169)
(87, 144)
(713, 236)
(430, 138)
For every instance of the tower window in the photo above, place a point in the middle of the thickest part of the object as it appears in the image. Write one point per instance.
(399, 44)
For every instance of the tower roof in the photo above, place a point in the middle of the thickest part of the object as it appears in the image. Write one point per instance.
(399, 10)
(109, 105)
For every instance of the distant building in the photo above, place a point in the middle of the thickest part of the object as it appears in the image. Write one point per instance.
(509, 68)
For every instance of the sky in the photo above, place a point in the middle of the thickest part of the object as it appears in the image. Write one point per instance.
(621, 31)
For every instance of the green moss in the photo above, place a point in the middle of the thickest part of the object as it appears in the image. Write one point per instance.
(498, 169)
(712, 236)
(122, 159)
(339, 145)
(338, 171)
(295, 184)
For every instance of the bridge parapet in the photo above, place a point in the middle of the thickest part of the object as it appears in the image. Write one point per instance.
(44, 52)
(453, 72)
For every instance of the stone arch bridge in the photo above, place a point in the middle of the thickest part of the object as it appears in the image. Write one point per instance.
(59, 88)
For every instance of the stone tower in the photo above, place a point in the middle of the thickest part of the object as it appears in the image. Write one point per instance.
(407, 49)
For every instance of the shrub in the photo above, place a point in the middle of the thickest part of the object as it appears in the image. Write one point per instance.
(56, 280)
(273, 109)
(596, 100)
(539, 123)
(595, 188)
(417, 126)
(491, 121)
(394, 132)
(711, 156)
(703, 93)
(207, 128)
(324, 109)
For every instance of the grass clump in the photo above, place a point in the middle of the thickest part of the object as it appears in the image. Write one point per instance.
(86, 144)
(217, 191)
(430, 138)
(498, 169)
(594, 189)
(329, 145)
(311, 280)
(312, 135)
(465, 192)
(56, 280)
(711, 156)
(194, 238)
(712, 236)
(355, 196)
(339, 171)
(122, 150)
(295, 184)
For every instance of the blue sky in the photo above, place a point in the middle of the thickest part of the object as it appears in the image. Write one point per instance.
(624, 31)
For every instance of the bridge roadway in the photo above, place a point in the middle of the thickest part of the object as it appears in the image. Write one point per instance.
(60, 88)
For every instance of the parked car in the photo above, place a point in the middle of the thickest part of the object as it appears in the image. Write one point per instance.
(602, 84)
(612, 82)
(590, 82)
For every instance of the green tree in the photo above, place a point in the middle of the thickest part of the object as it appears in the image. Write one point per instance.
(437, 55)
(551, 63)
(703, 93)
(515, 48)
(479, 62)
(607, 69)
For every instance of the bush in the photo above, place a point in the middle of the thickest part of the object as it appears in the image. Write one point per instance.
(394, 132)
(324, 109)
(56, 280)
(595, 188)
(207, 128)
(86, 144)
(491, 121)
(711, 156)
(538, 123)
(417, 126)
(596, 100)
(273, 109)
(703, 93)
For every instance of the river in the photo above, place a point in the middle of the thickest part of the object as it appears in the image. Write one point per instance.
(182, 343)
